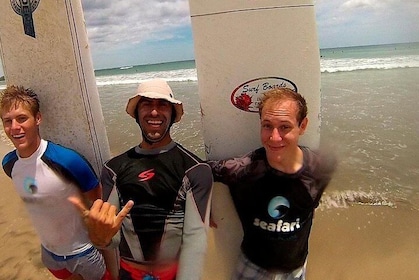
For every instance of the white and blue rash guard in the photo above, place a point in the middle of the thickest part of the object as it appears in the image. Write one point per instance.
(44, 181)
(171, 190)
(276, 209)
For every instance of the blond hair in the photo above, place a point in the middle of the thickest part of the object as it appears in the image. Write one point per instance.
(280, 94)
(17, 95)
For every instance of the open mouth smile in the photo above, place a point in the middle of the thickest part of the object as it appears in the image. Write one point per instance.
(18, 136)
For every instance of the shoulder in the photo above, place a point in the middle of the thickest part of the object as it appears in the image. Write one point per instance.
(10, 156)
(60, 153)
(193, 163)
(318, 162)
(9, 161)
(56, 154)
(186, 154)
(70, 164)
(121, 160)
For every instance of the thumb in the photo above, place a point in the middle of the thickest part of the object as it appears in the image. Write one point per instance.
(79, 204)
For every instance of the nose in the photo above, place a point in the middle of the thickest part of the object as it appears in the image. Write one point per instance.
(154, 111)
(275, 136)
(15, 124)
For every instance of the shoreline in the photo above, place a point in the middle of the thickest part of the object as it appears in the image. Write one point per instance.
(357, 242)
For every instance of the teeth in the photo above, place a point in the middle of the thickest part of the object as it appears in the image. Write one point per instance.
(155, 122)
(18, 136)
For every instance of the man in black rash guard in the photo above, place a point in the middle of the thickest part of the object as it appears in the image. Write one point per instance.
(275, 190)
(169, 189)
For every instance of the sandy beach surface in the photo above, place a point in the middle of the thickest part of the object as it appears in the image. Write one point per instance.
(358, 242)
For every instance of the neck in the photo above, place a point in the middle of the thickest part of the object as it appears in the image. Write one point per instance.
(290, 163)
(25, 153)
(154, 145)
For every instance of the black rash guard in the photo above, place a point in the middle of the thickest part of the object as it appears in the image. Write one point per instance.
(171, 190)
(276, 209)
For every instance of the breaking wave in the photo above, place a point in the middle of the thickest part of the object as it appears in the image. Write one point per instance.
(346, 198)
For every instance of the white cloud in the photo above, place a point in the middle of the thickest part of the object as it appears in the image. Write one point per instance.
(365, 22)
(356, 4)
(131, 22)
(139, 31)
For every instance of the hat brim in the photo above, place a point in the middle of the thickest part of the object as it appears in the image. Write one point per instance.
(133, 101)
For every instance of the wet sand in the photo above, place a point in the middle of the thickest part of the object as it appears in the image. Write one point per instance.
(358, 242)
(365, 242)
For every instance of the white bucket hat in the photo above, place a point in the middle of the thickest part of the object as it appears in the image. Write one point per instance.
(155, 89)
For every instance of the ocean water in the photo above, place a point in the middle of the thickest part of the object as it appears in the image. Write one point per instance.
(369, 114)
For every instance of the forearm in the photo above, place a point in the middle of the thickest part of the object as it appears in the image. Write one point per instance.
(90, 196)
(227, 171)
(194, 242)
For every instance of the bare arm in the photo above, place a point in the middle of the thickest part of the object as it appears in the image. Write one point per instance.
(92, 195)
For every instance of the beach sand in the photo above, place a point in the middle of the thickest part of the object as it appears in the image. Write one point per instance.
(364, 242)
(358, 242)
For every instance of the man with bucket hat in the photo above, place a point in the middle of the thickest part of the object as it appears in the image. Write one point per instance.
(164, 234)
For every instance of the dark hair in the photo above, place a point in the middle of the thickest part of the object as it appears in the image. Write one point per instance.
(16, 95)
(282, 93)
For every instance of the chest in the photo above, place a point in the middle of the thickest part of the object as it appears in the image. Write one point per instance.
(271, 198)
(150, 181)
(37, 182)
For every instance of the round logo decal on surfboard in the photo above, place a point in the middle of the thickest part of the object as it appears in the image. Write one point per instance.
(25, 8)
(247, 95)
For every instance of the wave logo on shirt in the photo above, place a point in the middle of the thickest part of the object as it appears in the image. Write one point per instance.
(146, 175)
(30, 185)
(278, 207)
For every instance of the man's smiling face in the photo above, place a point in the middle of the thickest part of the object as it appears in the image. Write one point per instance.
(154, 118)
(22, 128)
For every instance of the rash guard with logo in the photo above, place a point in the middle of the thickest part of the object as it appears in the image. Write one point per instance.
(44, 181)
(171, 190)
(276, 209)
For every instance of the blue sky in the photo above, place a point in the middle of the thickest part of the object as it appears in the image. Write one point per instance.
(134, 32)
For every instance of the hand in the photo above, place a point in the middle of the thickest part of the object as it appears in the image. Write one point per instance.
(101, 220)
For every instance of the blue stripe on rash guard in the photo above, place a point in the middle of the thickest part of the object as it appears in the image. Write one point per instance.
(8, 162)
(71, 163)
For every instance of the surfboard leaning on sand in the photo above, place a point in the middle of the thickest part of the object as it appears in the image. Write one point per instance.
(242, 49)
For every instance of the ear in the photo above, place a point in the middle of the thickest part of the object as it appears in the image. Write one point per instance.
(303, 126)
(38, 118)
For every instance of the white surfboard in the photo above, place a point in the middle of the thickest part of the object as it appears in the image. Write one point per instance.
(243, 48)
(44, 46)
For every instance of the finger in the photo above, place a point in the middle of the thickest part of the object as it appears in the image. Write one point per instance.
(96, 206)
(124, 212)
(107, 213)
(78, 203)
